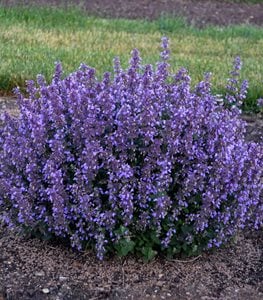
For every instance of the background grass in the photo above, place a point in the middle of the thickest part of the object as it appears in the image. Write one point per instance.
(32, 39)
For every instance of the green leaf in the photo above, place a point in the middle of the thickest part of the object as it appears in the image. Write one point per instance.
(187, 229)
(154, 238)
(148, 253)
(124, 246)
(195, 249)
(121, 230)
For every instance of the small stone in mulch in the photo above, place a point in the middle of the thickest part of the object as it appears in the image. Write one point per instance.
(45, 291)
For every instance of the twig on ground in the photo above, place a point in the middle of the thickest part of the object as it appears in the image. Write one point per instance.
(185, 261)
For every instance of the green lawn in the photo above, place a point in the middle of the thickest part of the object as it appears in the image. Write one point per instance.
(31, 40)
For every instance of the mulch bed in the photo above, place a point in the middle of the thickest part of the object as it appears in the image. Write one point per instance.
(32, 269)
(197, 12)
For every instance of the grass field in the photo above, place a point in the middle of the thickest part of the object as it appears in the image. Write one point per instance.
(31, 40)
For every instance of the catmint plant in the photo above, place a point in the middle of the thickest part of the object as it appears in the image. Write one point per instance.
(137, 162)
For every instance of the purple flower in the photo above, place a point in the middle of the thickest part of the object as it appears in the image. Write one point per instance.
(260, 102)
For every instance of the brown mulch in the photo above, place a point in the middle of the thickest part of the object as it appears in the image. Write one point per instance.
(31, 269)
(197, 12)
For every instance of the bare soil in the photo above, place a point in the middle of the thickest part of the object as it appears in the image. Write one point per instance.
(33, 269)
(197, 12)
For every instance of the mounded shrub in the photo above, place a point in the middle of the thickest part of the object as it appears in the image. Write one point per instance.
(138, 162)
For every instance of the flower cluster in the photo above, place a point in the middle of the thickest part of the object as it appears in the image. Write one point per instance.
(136, 159)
